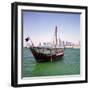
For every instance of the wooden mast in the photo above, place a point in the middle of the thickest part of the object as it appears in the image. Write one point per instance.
(56, 36)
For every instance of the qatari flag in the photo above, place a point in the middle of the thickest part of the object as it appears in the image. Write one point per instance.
(27, 39)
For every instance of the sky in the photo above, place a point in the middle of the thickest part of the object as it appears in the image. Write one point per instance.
(40, 26)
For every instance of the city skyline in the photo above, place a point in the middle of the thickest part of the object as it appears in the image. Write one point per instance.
(40, 26)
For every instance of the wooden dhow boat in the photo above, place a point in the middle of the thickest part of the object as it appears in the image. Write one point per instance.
(44, 53)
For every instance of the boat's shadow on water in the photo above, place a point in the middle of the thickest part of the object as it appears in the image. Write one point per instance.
(47, 68)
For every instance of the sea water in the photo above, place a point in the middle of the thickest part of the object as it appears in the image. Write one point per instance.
(69, 64)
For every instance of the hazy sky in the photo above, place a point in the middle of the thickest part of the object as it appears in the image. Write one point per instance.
(40, 26)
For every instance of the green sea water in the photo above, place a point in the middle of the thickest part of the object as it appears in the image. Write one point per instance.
(69, 64)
